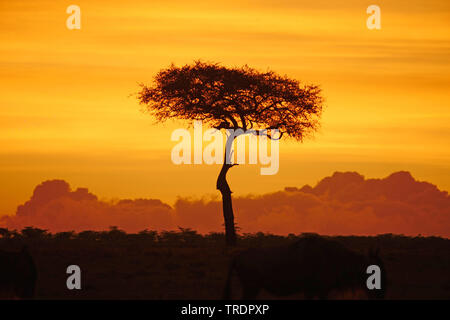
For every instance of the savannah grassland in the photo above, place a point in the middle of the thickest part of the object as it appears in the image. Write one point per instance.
(186, 265)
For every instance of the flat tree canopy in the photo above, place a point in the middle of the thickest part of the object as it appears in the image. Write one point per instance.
(233, 98)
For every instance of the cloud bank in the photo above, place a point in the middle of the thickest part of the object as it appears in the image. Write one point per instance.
(344, 203)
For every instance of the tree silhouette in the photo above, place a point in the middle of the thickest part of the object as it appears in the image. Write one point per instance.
(232, 99)
(34, 233)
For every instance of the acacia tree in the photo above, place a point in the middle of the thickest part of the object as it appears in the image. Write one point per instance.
(239, 99)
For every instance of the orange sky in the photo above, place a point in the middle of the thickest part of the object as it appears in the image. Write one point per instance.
(66, 112)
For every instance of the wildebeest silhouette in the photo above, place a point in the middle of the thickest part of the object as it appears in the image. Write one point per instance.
(313, 265)
(18, 275)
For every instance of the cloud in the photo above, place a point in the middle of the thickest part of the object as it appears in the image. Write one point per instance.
(344, 203)
(55, 207)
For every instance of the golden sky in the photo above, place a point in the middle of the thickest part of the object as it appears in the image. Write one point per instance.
(66, 110)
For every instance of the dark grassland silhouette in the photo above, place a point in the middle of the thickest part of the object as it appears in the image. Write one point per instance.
(234, 99)
(186, 265)
(18, 274)
(312, 265)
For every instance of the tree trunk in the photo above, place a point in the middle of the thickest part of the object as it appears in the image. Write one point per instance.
(224, 188)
